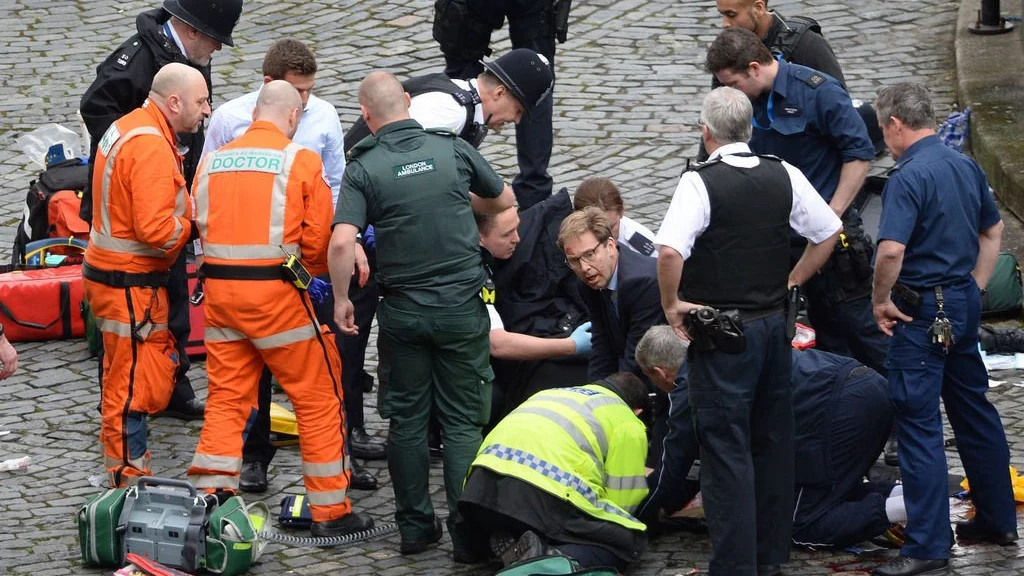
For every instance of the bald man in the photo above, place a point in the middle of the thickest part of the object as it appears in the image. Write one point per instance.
(414, 187)
(264, 209)
(143, 218)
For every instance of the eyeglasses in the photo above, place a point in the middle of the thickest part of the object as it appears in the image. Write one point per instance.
(576, 262)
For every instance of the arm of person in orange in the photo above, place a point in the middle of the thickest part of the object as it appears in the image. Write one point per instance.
(316, 222)
(154, 188)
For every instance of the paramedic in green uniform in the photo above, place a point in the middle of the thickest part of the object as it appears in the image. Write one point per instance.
(414, 187)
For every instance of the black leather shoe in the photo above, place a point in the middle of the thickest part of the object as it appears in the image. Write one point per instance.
(976, 531)
(906, 566)
(347, 524)
(769, 570)
(361, 445)
(417, 546)
(362, 479)
(528, 546)
(891, 453)
(189, 410)
(253, 477)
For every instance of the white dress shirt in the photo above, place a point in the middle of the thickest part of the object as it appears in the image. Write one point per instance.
(689, 214)
(628, 228)
(319, 130)
(440, 110)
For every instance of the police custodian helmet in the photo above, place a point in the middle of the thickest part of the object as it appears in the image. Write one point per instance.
(215, 18)
(527, 75)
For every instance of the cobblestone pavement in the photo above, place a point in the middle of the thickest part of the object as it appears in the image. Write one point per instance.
(630, 84)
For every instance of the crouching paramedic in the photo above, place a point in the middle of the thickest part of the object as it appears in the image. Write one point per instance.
(564, 469)
(264, 218)
(142, 220)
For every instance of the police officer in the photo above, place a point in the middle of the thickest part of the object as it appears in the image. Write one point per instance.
(463, 28)
(183, 31)
(565, 468)
(841, 414)
(536, 362)
(413, 186)
(729, 221)
(797, 39)
(508, 89)
(805, 118)
(938, 239)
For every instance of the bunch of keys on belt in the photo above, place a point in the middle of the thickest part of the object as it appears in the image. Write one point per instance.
(941, 329)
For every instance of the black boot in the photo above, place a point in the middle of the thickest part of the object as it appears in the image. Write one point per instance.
(362, 479)
(253, 478)
(906, 566)
(348, 524)
(361, 445)
(976, 531)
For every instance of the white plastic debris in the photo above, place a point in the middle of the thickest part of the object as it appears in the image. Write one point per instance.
(15, 464)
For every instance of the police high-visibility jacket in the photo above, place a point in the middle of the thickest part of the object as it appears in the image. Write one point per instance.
(142, 212)
(278, 198)
(581, 444)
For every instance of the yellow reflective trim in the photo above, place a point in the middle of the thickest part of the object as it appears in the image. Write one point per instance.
(216, 334)
(300, 334)
(327, 498)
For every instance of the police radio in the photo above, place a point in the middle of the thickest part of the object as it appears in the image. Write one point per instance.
(296, 272)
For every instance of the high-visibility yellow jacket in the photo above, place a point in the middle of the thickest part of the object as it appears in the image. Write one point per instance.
(581, 444)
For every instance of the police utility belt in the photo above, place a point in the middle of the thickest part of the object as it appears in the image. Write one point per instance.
(291, 270)
(713, 329)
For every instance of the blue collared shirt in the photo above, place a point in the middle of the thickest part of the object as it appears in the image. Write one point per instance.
(319, 130)
(935, 203)
(815, 128)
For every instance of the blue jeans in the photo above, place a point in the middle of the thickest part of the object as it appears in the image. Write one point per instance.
(920, 373)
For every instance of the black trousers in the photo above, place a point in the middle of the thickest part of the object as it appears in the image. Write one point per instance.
(743, 415)
(846, 510)
(530, 26)
(257, 447)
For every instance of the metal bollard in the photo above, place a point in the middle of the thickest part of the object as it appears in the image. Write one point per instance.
(989, 20)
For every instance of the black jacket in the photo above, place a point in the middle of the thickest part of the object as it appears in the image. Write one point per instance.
(122, 84)
(614, 335)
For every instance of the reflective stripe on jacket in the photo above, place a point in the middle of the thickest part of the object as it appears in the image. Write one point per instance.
(581, 444)
(269, 196)
(142, 213)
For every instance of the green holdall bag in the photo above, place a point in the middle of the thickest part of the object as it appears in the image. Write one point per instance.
(93, 336)
(1004, 293)
(553, 564)
(232, 539)
(99, 532)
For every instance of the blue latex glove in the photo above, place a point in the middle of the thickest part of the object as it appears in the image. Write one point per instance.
(581, 336)
(318, 290)
(369, 240)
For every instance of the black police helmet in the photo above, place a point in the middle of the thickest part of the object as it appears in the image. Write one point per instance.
(526, 74)
(215, 18)
(870, 117)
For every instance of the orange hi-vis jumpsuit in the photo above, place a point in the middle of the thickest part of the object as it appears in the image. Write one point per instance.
(141, 221)
(257, 198)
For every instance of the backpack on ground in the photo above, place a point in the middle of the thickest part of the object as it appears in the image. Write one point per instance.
(1004, 293)
(552, 564)
(51, 207)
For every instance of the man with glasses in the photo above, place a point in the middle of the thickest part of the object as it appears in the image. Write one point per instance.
(620, 291)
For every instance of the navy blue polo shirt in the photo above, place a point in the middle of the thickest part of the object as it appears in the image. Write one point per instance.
(812, 125)
(935, 203)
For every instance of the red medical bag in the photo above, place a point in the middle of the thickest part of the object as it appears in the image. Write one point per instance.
(42, 304)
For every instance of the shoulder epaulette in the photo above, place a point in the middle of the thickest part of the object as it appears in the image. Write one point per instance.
(703, 165)
(127, 52)
(361, 146)
(814, 80)
(442, 131)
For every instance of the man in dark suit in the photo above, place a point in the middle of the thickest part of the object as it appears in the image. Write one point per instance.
(621, 291)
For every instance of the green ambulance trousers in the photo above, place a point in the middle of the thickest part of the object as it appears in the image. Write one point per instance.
(432, 359)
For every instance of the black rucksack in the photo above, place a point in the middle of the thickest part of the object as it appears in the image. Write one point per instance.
(35, 225)
(789, 36)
